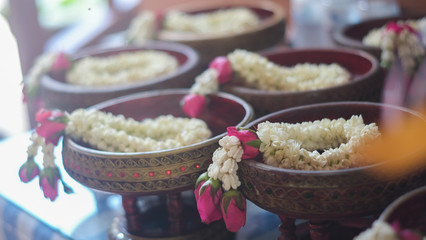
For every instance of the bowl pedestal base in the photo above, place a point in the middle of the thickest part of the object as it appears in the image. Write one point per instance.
(170, 217)
(322, 230)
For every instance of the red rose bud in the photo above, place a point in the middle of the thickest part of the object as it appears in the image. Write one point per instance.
(51, 132)
(398, 28)
(44, 115)
(208, 201)
(159, 18)
(233, 207)
(200, 181)
(249, 141)
(193, 105)
(62, 62)
(29, 170)
(52, 124)
(223, 67)
(49, 178)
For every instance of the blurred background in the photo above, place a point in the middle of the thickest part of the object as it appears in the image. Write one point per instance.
(29, 28)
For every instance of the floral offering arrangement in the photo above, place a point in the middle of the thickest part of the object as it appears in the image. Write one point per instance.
(101, 71)
(319, 145)
(103, 131)
(402, 53)
(384, 231)
(374, 36)
(144, 26)
(254, 70)
(121, 68)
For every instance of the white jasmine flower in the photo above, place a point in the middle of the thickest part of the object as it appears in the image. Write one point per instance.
(121, 68)
(295, 146)
(116, 133)
(256, 71)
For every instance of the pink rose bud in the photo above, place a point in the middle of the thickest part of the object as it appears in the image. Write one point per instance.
(62, 62)
(223, 67)
(52, 124)
(200, 181)
(408, 234)
(44, 115)
(208, 201)
(193, 105)
(51, 131)
(233, 207)
(29, 170)
(393, 26)
(49, 178)
(248, 139)
(159, 18)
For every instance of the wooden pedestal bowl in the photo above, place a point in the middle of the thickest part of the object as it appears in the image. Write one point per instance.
(57, 93)
(351, 35)
(365, 84)
(268, 33)
(325, 198)
(165, 173)
(409, 211)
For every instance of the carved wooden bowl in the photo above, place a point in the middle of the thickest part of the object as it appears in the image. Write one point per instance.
(325, 195)
(155, 172)
(351, 35)
(409, 210)
(268, 33)
(365, 84)
(57, 93)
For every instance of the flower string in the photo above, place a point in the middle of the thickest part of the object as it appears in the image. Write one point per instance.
(125, 67)
(400, 40)
(145, 26)
(292, 146)
(254, 70)
(51, 61)
(103, 131)
(295, 146)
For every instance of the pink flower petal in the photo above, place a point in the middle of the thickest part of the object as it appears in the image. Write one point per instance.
(245, 136)
(234, 210)
(61, 63)
(223, 67)
(49, 191)
(193, 105)
(208, 201)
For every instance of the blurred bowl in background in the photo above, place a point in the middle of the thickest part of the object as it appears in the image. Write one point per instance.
(409, 210)
(57, 93)
(268, 33)
(351, 35)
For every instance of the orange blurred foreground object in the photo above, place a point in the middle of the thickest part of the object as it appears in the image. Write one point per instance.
(401, 148)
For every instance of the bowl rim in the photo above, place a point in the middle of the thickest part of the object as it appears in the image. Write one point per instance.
(95, 152)
(269, 168)
(375, 67)
(277, 11)
(193, 59)
(384, 216)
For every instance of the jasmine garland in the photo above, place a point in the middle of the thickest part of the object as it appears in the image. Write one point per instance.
(121, 68)
(103, 131)
(144, 26)
(258, 72)
(319, 145)
(108, 132)
(235, 19)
